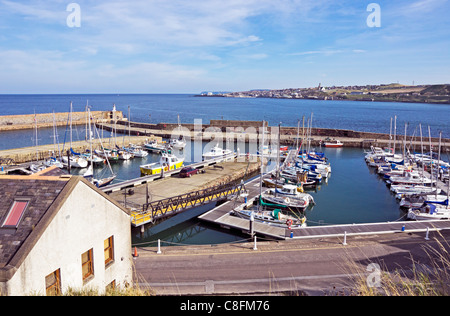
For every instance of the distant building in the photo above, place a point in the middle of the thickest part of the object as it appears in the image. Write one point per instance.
(59, 232)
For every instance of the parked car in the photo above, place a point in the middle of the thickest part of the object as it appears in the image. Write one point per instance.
(188, 172)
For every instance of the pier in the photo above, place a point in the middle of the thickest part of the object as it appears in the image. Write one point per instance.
(249, 131)
(153, 198)
(222, 216)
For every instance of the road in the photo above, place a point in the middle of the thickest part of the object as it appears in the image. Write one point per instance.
(312, 267)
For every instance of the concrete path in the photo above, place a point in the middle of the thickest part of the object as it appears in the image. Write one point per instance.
(314, 267)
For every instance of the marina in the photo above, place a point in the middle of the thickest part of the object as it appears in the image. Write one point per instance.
(319, 214)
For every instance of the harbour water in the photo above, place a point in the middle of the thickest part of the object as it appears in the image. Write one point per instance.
(353, 194)
(153, 108)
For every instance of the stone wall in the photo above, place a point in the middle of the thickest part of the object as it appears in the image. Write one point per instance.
(15, 122)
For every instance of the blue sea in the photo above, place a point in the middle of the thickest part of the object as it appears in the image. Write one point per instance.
(156, 108)
(353, 194)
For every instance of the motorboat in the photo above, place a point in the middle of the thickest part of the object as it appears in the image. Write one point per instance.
(409, 178)
(167, 162)
(178, 143)
(335, 143)
(274, 218)
(154, 146)
(138, 152)
(217, 152)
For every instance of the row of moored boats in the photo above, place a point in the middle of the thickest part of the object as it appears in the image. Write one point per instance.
(416, 180)
(286, 200)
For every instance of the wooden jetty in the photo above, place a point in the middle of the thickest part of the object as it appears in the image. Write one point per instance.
(146, 179)
(222, 216)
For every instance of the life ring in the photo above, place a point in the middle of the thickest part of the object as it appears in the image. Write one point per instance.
(287, 200)
(289, 222)
(166, 168)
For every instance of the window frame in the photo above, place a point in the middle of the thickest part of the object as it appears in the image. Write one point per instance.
(11, 212)
(110, 249)
(90, 265)
(56, 286)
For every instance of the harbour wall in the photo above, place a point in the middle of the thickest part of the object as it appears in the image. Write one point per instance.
(29, 154)
(288, 135)
(29, 121)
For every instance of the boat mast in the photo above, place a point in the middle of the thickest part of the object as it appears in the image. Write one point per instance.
(390, 137)
(36, 135)
(423, 163)
(395, 133)
(404, 144)
(262, 161)
(438, 163)
(431, 157)
(278, 155)
(71, 124)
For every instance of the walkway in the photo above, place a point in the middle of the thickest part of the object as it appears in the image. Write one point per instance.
(316, 267)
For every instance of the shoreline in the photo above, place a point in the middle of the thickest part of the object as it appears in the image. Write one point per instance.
(328, 99)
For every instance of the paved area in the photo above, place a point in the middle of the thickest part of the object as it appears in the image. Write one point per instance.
(306, 267)
(175, 186)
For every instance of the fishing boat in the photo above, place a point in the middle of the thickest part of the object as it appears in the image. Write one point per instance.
(274, 218)
(335, 143)
(167, 162)
(217, 152)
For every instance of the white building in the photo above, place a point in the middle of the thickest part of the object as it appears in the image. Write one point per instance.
(59, 232)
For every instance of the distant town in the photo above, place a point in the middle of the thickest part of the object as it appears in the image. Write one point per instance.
(394, 92)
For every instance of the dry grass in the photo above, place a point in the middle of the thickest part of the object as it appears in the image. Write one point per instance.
(432, 279)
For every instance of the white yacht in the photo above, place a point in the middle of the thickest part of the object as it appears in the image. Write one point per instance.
(217, 152)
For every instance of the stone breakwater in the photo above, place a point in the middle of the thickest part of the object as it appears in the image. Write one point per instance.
(249, 131)
(29, 154)
(28, 121)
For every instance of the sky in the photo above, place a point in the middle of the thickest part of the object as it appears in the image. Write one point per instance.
(190, 46)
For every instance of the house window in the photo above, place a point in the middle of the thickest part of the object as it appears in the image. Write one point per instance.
(109, 250)
(15, 214)
(53, 283)
(87, 264)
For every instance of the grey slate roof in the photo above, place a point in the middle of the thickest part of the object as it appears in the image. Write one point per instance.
(41, 195)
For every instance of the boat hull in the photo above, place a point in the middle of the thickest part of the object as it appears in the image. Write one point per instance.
(156, 168)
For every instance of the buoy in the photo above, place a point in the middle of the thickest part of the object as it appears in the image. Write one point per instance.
(135, 253)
